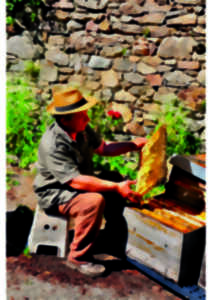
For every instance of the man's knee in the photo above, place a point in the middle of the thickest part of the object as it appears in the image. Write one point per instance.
(87, 203)
(97, 201)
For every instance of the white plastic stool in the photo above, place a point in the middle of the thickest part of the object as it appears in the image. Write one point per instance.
(48, 232)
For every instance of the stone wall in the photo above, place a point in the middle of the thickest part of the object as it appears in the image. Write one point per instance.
(134, 55)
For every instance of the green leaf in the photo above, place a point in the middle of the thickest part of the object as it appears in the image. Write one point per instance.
(9, 20)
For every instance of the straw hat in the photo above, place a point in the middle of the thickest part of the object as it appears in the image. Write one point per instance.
(69, 100)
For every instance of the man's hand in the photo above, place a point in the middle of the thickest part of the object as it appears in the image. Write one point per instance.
(124, 189)
(139, 142)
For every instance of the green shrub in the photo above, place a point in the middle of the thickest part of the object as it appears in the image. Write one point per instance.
(107, 125)
(17, 8)
(180, 139)
(124, 164)
(26, 121)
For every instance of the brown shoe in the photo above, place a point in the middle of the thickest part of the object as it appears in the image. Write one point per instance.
(89, 269)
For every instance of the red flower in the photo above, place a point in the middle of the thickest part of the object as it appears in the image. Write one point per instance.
(114, 114)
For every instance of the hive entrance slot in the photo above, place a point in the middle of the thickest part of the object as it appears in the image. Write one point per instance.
(47, 250)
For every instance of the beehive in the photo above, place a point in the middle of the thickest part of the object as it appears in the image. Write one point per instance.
(168, 234)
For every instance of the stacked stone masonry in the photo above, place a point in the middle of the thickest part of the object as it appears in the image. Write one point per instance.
(133, 54)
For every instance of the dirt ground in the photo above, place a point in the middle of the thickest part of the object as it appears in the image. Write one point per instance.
(38, 277)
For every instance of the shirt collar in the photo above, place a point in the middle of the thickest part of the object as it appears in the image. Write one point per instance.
(60, 130)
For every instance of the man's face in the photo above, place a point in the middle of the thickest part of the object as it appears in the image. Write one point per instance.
(76, 122)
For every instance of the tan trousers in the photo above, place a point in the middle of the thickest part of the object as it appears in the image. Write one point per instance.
(87, 210)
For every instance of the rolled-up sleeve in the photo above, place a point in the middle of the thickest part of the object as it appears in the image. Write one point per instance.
(63, 162)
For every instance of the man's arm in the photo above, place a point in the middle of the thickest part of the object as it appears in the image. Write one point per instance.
(118, 148)
(94, 184)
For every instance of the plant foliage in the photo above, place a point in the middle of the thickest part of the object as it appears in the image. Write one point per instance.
(104, 123)
(11, 179)
(17, 8)
(26, 121)
(32, 69)
(180, 138)
(108, 125)
(157, 190)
